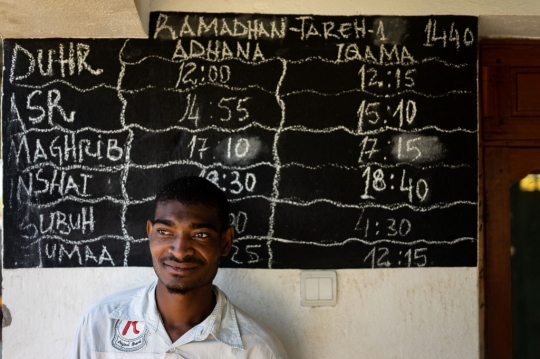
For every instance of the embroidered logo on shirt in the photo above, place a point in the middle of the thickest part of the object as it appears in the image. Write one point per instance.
(129, 335)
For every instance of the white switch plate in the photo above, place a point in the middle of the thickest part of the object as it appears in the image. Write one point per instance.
(319, 288)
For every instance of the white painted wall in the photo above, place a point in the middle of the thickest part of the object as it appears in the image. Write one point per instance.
(390, 313)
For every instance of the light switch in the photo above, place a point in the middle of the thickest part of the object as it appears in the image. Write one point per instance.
(325, 288)
(312, 288)
(318, 288)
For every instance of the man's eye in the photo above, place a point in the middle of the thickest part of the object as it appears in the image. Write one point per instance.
(162, 231)
(201, 235)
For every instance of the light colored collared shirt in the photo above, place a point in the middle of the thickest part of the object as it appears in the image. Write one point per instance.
(128, 325)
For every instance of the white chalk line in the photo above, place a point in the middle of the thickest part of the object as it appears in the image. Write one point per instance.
(200, 165)
(296, 128)
(127, 153)
(255, 86)
(231, 200)
(363, 241)
(130, 202)
(120, 167)
(203, 129)
(382, 129)
(99, 168)
(39, 253)
(377, 164)
(263, 239)
(179, 61)
(142, 201)
(123, 182)
(357, 90)
(391, 63)
(195, 86)
(140, 127)
(277, 163)
(67, 198)
(119, 87)
(301, 61)
(67, 83)
(296, 164)
(64, 130)
(390, 207)
(80, 241)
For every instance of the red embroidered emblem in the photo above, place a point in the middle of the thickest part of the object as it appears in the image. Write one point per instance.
(129, 335)
(126, 328)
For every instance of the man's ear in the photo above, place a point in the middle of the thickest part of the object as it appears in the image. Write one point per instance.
(148, 228)
(227, 238)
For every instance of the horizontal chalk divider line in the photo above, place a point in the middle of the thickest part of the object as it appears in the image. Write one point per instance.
(386, 64)
(82, 241)
(109, 169)
(302, 61)
(67, 83)
(391, 207)
(134, 91)
(193, 87)
(399, 93)
(260, 238)
(380, 130)
(234, 88)
(68, 198)
(303, 91)
(349, 240)
(122, 167)
(298, 128)
(140, 127)
(282, 95)
(376, 164)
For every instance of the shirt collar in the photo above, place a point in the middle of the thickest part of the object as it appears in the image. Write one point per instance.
(141, 306)
(221, 323)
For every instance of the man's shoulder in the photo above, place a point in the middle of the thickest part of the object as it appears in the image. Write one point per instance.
(254, 334)
(113, 301)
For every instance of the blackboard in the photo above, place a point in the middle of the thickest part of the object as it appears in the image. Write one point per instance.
(341, 141)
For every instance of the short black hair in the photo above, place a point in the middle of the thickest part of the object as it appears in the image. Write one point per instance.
(193, 190)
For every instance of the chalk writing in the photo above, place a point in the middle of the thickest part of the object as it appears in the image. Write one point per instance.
(340, 141)
(432, 36)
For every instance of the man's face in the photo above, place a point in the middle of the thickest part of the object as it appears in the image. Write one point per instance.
(186, 243)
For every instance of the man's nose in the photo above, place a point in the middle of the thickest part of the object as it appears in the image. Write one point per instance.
(182, 246)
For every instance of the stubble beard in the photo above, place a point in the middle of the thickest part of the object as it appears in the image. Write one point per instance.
(179, 288)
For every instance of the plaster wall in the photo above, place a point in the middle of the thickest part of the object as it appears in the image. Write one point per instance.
(380, 314)
(390, 313)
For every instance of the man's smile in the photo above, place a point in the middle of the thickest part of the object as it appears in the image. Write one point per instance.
(176, 266)
(182, 267)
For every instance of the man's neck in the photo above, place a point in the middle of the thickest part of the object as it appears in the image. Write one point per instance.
(181, 312)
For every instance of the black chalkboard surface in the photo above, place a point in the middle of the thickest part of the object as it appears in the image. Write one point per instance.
(341, 142)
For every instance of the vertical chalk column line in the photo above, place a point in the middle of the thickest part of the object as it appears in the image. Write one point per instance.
(127, 151)
(277, 165)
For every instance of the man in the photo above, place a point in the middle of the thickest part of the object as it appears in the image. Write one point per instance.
(181, 315)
